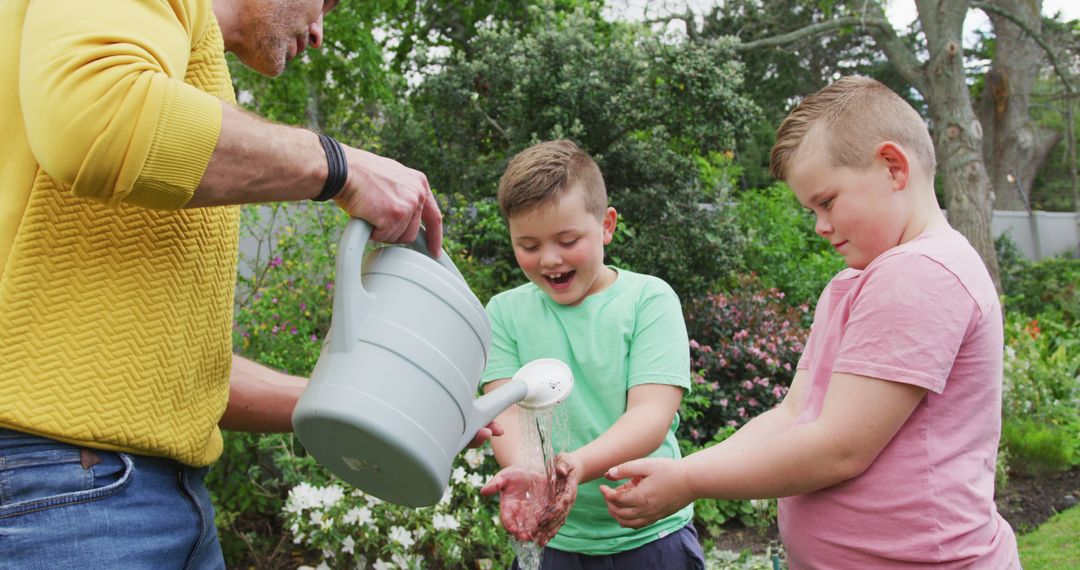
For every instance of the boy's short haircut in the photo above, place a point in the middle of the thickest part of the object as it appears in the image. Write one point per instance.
(856, 114)
(538, 176)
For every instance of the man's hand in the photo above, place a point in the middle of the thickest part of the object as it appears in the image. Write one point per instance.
(485, 433)
(392, 197)
(657, 488)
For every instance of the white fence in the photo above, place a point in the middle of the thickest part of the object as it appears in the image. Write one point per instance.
(1039, 234)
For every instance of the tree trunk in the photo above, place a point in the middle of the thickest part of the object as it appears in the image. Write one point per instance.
(957, 132)
(1014, 148)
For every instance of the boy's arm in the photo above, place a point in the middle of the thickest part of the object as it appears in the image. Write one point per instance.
(507, 447)
(650, 409)
(858, 419)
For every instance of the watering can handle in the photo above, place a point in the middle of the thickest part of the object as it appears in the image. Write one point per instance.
(351, 301)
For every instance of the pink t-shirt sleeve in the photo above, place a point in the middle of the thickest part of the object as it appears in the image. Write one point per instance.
(907, 322)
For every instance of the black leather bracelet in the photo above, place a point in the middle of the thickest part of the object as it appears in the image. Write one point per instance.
(338, 169)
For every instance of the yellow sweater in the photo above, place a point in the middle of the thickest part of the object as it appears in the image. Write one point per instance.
(115, 305)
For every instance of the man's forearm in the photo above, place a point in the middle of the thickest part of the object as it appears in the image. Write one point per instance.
(258, 161)
(260, 399)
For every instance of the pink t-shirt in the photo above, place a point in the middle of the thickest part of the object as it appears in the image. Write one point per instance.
(923, 313)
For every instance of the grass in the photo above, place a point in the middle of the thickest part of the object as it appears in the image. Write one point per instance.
(1054, 544)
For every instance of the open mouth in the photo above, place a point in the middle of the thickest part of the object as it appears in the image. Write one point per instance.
(559, 280)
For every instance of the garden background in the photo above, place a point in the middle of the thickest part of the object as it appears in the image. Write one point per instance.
(679, 108)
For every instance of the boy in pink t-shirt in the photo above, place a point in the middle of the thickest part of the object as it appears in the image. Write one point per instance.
(884, 449)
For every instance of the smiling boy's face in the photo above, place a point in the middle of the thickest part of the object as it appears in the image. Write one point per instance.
(858, 211)
(560, 247)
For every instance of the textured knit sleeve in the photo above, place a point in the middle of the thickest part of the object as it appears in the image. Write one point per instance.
(105, 103)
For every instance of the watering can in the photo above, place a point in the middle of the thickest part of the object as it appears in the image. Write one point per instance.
(391, 400)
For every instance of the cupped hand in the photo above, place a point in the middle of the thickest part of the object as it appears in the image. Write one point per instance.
(533, 507)
(656, 488)
(393, 198)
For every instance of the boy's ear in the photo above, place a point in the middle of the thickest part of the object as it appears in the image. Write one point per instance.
(896, 160)
(609, 221)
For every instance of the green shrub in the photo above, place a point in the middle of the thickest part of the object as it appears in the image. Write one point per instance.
(779, 245)
(634, 100)
(1041, 421)
(1050, 285)
(1040, 447)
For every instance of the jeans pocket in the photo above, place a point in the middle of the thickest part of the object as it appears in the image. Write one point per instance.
(41, 474)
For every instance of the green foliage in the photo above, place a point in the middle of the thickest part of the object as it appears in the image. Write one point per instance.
(1050, 285)
(1041, 421)
(712, 514)
(780, 245)
(331, 89)
(479, 243)
(1053, 545)
(633, 100)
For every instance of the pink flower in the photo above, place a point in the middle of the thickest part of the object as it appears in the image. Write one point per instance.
(694, 344)
(777, 391)
(723, 402)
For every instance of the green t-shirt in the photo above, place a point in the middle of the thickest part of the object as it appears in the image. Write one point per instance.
(629, 334)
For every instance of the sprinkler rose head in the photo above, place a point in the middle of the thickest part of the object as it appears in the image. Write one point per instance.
(547, 381)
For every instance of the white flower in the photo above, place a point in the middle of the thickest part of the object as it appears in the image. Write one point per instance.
(476, 480)
(446, 496)
(474, 457)
(445, 522)
(322, 566)
(401, 536)
(244, 97)
(358, 516)
(459, 475)
(406, 561)
(327, 553)
(316, 518)
(348, 546)
(305, 496)
(380, 565)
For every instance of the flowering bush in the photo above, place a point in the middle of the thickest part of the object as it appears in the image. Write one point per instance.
(744, 347)
(355, 530)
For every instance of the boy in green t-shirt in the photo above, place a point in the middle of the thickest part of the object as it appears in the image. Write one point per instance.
(623, 336)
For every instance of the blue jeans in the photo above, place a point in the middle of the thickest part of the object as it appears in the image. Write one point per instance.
(676, 551)
(67, 507)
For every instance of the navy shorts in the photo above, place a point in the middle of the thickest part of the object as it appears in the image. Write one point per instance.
(675, 551)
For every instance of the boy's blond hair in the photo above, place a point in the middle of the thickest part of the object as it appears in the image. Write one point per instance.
(538, 176)
(856, 114)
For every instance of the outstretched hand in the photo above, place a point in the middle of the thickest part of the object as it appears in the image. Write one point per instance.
(533, 506)
(656, 488)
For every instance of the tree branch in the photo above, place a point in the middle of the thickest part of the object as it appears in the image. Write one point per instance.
(1050, 55)
(879, 27)
(813, 30)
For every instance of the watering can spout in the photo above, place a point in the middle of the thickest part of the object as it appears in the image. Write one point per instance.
(538, 385)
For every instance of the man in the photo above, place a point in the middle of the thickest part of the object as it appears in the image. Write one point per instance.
(123, 161)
